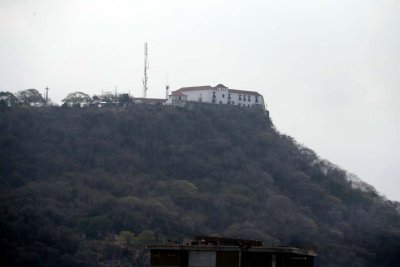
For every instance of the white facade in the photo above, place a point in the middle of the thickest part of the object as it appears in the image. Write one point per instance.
(177, 99)
(219, 94)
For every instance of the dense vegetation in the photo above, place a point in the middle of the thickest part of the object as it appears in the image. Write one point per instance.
(90, 187)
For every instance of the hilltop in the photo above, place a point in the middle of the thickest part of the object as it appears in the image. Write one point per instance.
(90, 187)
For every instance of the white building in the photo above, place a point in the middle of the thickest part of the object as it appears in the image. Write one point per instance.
(219, 94)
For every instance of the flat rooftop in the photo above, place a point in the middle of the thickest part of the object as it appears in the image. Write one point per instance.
(211, 247)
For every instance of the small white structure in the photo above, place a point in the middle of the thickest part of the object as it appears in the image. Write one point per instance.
(219, 94)
(177, 99)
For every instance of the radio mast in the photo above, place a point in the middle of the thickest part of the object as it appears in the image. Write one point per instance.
(146, 67)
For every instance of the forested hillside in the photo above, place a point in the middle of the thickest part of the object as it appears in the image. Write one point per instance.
(90, 187)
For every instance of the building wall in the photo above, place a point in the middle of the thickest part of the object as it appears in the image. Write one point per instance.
(247, 100)
(228, 259)
(177, 101)
(257, 259)
(202, 258)
(168, 258)
(223, 95)
(218, 258)
(199, 95)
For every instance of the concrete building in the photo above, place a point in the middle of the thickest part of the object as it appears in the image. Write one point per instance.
(177, 99)
(219, 94)
(225, 252)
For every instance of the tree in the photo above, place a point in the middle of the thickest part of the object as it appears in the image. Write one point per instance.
(8, 99)
(127, 239)
(77, 99)
(72, 179)
(30, 97)
(145, 237)
(93, 226)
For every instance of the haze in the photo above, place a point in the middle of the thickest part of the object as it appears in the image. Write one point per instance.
(328, 70)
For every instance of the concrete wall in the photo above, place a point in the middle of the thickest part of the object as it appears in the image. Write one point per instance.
(247, 100)
(202, 258)
(223, 96)
(204, 95)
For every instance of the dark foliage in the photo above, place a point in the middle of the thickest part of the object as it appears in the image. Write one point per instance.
(89, 187)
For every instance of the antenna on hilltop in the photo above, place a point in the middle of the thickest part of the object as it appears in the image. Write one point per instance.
(146, 67)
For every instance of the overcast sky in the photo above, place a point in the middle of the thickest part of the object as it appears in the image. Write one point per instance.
(329, 70)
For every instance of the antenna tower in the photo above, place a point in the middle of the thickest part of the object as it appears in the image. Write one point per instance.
(146, 67)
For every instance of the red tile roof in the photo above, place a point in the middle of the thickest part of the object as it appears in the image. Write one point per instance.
(243, 92)
(195, 88)
(178, 93)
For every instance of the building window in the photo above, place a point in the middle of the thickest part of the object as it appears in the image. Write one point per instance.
(223, 95)
(240, 97)
(239, 104)
(256, 99)
(220, 102)
(229, 96)
(244, 98)
(249, 98)
(213, 100)
(179, 97)
(214, 95)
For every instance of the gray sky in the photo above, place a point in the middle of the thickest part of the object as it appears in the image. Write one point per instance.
(329, 70)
